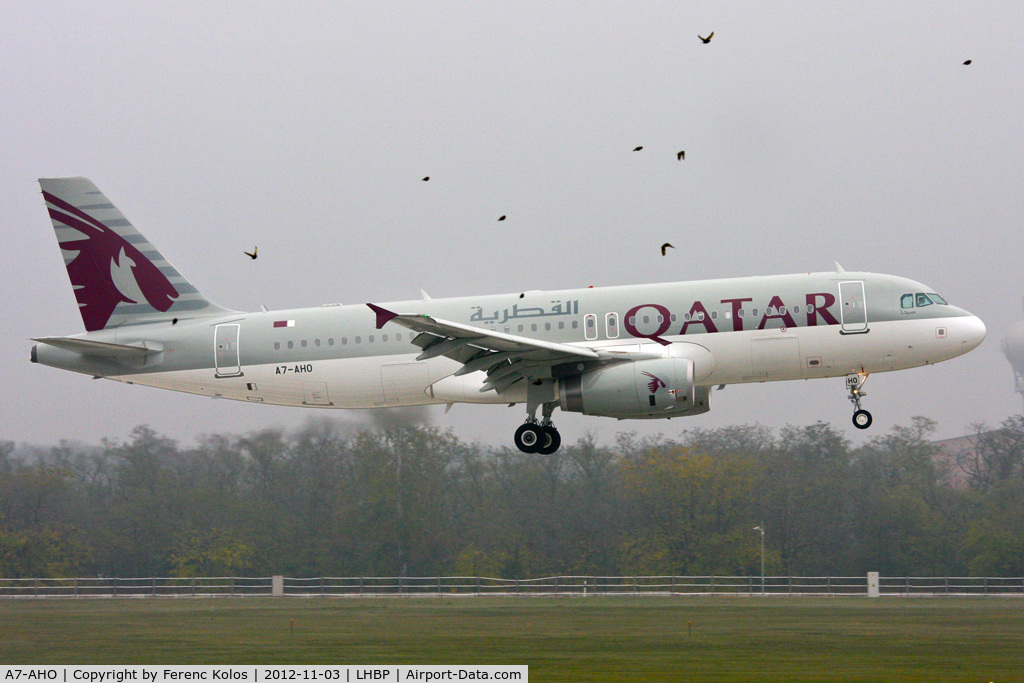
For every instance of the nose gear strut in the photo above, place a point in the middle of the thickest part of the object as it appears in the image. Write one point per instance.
(855, 382)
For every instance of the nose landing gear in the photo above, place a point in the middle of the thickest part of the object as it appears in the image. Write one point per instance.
(861, 418)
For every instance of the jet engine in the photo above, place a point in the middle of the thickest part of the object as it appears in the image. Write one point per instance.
(661, 387)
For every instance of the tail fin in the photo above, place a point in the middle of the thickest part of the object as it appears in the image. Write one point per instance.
(118, 276)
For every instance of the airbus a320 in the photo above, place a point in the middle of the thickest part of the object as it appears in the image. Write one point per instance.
(628, 352)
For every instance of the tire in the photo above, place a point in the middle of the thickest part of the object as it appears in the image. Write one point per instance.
(551, 441)
(862, 419)
(529, 438)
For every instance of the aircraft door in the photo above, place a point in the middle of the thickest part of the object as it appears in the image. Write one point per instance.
(225, 350)
(853, 307)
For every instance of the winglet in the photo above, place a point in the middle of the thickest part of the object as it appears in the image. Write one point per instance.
(383, 315)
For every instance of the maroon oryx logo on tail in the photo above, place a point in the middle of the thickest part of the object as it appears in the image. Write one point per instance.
(655, 383)
(107, 270)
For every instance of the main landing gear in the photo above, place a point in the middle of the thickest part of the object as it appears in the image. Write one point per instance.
(861, 417)
(539, 437)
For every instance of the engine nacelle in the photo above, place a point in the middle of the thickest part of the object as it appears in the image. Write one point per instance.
(661, 387)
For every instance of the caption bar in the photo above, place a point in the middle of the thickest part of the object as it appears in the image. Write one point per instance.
(261, 674)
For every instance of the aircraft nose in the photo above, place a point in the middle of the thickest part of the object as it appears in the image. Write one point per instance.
(972, 332)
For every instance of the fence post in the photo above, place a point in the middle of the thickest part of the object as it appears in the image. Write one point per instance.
(153, 586)
(277, 586)
(76, 587)
(828, 586)
(712, 585)
(946, 580)
(36, 583)
(439, 586)
(873, 587)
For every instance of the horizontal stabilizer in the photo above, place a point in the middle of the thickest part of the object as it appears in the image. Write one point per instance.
(87, 347)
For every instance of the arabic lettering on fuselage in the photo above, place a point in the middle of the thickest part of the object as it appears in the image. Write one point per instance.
(499, 317)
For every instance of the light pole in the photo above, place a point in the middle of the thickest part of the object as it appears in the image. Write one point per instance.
(761, 529)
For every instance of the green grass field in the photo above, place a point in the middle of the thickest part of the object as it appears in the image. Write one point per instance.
(567, 639)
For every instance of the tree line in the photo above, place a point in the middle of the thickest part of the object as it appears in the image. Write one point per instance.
(333, 499)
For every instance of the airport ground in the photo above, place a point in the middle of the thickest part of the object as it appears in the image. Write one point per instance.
(561, 639)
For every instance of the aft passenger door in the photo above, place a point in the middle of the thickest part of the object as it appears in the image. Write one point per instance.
(853, 309)
(225, 350)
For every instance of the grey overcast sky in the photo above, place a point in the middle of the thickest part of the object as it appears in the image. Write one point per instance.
(814, 132)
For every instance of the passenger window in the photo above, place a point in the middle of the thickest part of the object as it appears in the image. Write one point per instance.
(796, 309)
(782, 310)
(742, 313)
(303, 343)
(575, 324)
(632, 320)
(291, 345)
(277, 346)
(561, 325)
(810, 309)
(714, 315)
(344, 341)
(520, 328)
(907, 301)
(673, 317)
(384, 337)
(700, 315)
(769, 311)
(660, 319)
(330, 341)
(923, 300)
(316, 342)
(398, 337)
(533, 327)
(359, 340)
(371, 339)
(754, 312)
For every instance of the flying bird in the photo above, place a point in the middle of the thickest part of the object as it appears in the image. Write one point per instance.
(255, 250)
(967, 62)
(666, 246)
(638, 148)
(502, 217)
(708, 39)
(426, 179)
(681, 155)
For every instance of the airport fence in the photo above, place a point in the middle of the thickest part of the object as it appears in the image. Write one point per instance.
(470, 586)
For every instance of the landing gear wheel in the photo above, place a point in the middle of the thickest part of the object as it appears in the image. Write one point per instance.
(550, 441)
(529, 438)
(862, 419)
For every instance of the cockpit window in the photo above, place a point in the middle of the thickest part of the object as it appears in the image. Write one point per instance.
(937, 299)
(923, 300)
(907, 301)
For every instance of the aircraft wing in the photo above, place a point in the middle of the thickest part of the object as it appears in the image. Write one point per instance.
(506, 358)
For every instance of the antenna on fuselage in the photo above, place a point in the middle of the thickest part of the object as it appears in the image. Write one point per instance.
(839, 268)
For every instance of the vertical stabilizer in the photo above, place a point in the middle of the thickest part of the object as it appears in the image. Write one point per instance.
(119, 278)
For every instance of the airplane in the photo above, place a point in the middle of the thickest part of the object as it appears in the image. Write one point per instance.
(629, 352)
